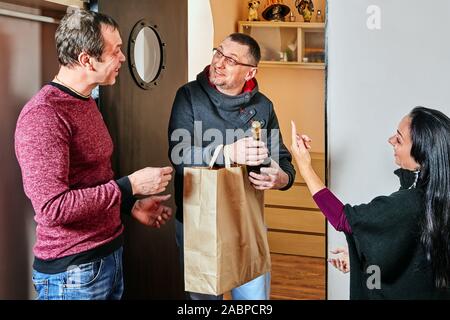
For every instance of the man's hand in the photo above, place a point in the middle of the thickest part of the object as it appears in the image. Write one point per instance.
(272, 177)
(149, 181)
(150, 212)
(248, 151)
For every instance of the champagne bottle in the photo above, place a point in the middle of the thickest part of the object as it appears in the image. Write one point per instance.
(256, 133)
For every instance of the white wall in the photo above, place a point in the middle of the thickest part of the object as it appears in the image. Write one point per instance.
(374, 78)
(200, 36)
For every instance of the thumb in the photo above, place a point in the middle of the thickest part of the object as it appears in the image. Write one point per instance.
(161, 198)
(294, 135)
(338, 250)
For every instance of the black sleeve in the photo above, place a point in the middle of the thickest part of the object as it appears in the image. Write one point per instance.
(127, 199)
(278, 151)
(385, 231)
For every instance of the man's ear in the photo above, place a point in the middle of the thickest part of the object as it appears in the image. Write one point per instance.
(85, 61)
(251, 74)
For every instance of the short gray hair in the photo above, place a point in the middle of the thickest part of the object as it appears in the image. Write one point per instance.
(80, 31)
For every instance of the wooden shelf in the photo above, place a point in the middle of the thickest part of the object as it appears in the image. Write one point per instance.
(296, 42)
(274, 24)
(289, 64)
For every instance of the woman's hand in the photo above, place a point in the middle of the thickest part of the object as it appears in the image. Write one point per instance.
(340, 262)
(300, 146)
(299, 149)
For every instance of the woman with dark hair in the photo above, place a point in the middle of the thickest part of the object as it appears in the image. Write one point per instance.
(399, 245)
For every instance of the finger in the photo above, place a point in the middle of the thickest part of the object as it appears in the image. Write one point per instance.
(167, 213)
(341, 264)
(256, 157)
(254, 163)
(162, 197)
(255, 181)
(294, 134)
(307, 145)
(252, 143)
(159, 190)
(261, 187)
(158, 212)
(164, 217)
(333, 263)
(253, 151)
(269, 171)
(301, 145)
(166, 170)
(306, 138)
(260, 177)
(163, 185)
(166, 178)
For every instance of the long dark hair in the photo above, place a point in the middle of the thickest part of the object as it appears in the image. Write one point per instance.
(430, 133)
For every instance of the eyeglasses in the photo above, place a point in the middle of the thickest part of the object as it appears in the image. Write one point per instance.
(228, 60)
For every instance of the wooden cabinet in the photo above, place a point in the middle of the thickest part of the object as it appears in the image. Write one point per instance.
(291, 74)
(294, 44)
(295, 223)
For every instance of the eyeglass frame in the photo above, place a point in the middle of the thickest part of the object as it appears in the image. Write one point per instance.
(227, 58)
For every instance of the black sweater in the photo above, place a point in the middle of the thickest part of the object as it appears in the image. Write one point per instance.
(385, 241)
(200, 118)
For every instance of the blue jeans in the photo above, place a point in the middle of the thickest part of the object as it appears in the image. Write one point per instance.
(256, 289)
(97, 280)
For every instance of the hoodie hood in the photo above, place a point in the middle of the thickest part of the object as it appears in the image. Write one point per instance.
(224, 101)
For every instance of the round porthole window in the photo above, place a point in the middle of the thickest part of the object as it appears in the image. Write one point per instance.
(146, 54)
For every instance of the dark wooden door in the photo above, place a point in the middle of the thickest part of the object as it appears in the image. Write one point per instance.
(138, 121)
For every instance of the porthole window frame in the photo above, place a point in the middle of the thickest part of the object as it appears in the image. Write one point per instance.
(141, 24)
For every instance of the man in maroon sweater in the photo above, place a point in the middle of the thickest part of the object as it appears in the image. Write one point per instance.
(64, 150)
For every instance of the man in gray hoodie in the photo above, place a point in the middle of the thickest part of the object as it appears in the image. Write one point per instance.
(219, 108)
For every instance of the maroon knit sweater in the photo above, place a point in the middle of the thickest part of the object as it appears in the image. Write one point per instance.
(64, 150)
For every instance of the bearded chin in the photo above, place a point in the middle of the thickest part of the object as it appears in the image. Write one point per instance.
(216, 82)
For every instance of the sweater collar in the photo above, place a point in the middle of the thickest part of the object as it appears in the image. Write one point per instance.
(225, 101)
(406, 177)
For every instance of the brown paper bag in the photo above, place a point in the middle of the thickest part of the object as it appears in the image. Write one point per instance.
(225, 238)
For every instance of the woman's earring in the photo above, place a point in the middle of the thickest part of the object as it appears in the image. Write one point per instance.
(416, 174)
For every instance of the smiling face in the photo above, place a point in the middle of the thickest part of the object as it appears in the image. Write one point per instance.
(230, 79)
(112, 57)
(401, 141)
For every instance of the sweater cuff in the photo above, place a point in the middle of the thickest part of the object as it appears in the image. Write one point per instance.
(127, 198)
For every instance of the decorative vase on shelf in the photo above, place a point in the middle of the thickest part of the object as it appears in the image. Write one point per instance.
(305, 8)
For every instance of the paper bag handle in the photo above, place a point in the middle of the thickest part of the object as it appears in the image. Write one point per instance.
(226, 156)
